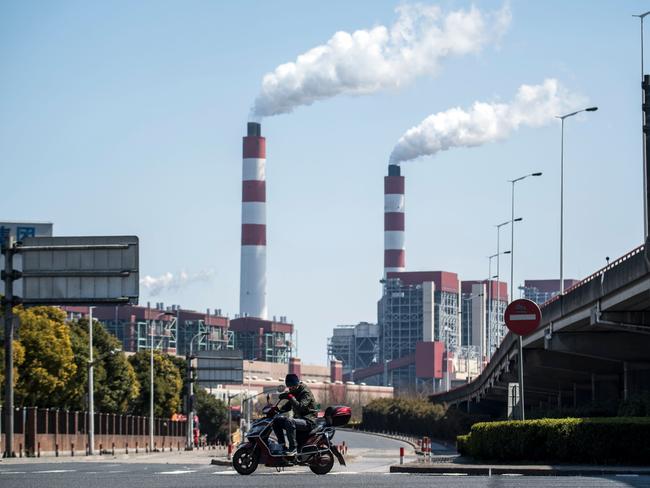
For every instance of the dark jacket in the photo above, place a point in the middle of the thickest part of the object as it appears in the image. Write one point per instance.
(303, 403)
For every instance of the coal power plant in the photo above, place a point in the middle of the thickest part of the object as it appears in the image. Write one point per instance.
(433, 331)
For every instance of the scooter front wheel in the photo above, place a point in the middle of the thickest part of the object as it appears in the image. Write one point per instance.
(246, 459)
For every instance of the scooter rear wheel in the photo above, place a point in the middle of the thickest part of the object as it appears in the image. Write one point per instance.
(246, 459)
(322, 463)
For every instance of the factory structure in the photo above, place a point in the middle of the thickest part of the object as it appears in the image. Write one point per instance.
(433, 331)
(252, 352)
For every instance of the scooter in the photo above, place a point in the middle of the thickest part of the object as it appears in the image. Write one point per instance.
(315, 448)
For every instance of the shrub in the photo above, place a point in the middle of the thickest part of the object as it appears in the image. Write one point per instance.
(617, 440)
(462, 444)
(417, 417)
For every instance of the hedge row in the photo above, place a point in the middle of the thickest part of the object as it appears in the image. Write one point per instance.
(617, 440)
(416, 417)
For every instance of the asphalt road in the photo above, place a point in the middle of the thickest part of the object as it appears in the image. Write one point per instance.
(370, 457)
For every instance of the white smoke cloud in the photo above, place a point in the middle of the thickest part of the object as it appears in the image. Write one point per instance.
(366, 61)
(170, 282)
(533, 106)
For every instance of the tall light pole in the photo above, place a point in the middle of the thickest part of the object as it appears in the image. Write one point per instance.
(512, 231)
(498, 226)
(512, 296)
(190, 393)
(151, 416)
(91, 393)
(562, 117)
(643, 138)
(490, 308)
(151, 388)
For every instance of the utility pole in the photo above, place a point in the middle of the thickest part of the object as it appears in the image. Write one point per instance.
(91, 392)
(8, 276)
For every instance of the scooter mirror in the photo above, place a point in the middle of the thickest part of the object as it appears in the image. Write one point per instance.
(281, 388)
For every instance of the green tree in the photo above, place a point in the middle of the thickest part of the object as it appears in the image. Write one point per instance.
(48, 363)
(213, 415)
(167, 384)
(115, 381)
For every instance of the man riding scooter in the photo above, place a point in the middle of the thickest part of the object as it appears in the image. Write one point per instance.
(302, 402)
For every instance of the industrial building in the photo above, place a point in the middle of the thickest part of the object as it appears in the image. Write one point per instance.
(433, 332)
(541, 291)
(482, 315)
(264, 340)
(169, 329)
(356, 346)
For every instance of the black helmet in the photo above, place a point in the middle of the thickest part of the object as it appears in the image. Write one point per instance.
(291, 380)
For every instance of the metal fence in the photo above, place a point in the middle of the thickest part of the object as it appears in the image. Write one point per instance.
(37, 429)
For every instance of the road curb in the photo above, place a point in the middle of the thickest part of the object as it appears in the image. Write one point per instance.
(387, 436)
(488, 470)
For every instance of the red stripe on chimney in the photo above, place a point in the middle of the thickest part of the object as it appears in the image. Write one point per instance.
(254, 147)
(253, 191)
(394, 258)
(253, 235)
(394, 221)
(393, 184)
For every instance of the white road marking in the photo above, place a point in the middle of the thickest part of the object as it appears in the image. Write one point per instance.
(627, 475)
(13, 472)
(56, 471)
(178, 471)
(225, 472)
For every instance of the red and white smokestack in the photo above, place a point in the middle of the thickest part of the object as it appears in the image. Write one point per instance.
(394, 239)
(252, 291)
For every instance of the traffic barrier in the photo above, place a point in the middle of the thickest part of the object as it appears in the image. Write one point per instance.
(229, 451)
(401, 455)
(72, 449)
(20, 450)
(136, 447)
(127, 448)
(56, 450)
(113, 449)
(39, 450)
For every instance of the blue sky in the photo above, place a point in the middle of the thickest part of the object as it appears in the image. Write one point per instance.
(127, 118)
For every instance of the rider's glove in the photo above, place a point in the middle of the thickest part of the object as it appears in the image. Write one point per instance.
(285, 396)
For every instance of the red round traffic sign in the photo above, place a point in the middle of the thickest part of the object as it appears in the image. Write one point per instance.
(523, 316)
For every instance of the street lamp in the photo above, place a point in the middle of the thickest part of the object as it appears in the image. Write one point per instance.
(490, 309)
(512, 267)
(562, 117)
(151, 388)
(498, 226)
(91, 394)
(190, 395)
(645, 156)
(512, 230)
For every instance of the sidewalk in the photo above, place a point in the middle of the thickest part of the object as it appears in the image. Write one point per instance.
(462, 467)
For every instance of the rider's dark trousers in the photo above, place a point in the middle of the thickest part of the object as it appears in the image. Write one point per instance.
(290, 425)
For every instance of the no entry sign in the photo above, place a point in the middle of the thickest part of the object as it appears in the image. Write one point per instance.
(523, 316)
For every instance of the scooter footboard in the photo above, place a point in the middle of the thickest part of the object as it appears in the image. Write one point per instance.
(338, 455)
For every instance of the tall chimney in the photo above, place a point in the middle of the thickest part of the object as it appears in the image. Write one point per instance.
(252, 291)
(394, 251)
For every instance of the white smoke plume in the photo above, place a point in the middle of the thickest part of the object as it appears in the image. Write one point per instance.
(533, 106)
(366, 61)
(170, 282)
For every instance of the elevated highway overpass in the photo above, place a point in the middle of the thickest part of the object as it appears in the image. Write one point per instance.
(593, 345)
